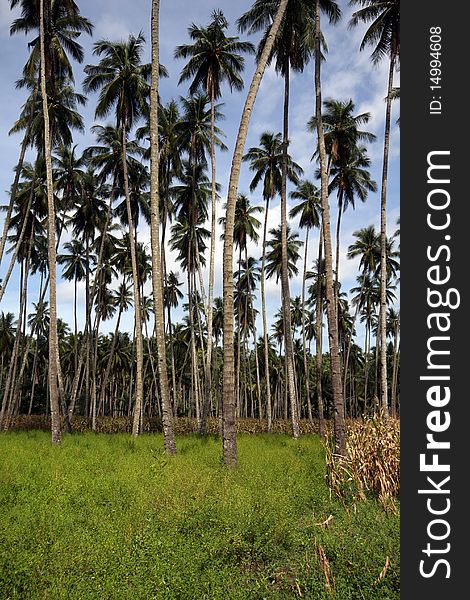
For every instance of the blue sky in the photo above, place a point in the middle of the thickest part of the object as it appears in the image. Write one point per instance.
(347, 73)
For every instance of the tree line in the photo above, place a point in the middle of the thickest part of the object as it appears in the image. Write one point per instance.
(156, 163)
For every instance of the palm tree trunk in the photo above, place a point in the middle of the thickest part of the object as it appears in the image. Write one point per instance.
(284, 266)
(87, 327)
(139, 389)
(173, 369)
(167, 413)
(237, 369)
(338, 229)
(208, 375)
(304, 340)
(265, 325)
(53, 341)
(339, 425)
(366, 362)
(396, 357)
(229, 429)
(383, 247)
(8, 392)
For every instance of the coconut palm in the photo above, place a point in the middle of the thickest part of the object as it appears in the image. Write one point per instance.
(75, 263)
(122, 80)
(383, 20)
(214, 58)
(229, 426)
(350, 179)
(308, 208)
(65, 24)
(266, 163)
(53, 341)
(274, 255)
(292, 50)
(333, 13)
(245, 229)
(63, 102)
(345, 154)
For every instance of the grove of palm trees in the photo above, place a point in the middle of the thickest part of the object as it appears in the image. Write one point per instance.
(199, 300)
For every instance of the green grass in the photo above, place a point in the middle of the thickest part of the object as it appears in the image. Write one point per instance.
(110, 517)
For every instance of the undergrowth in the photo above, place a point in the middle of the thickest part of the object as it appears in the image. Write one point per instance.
(111, 517)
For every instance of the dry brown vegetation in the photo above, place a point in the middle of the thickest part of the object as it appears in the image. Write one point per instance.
(183, 425)
(372, 464)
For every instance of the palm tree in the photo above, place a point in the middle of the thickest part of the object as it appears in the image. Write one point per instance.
(292, 50)
(393, 328)
(53, 340)
(123, 83)
(266, 162)
(63, 25)
(350, 179)
(171, 297)
(62, 118)
(229, 425)
(214, 58)
(274, 255)
(309, 210)
(248, 276)
(383, 33)
(122, 301)
(333, 12)
(245, 229)
(75, 269)
(346, 157)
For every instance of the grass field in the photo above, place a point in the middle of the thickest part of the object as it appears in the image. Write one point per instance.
(110, 517)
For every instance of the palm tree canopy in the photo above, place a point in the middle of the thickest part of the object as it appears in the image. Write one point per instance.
(309, 207)
(293, 46)
(213, 57)
(195, 127)
(341, 128)
(266, 162)
(351, 179)
(64, 27)
(274, 255)
(384, 29)
(121, 78)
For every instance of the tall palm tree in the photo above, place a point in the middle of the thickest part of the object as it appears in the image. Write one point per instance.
(342, 143)
(248, 276)
(214, 58)
(332, 11)
(63, 26)
(274, 266)
(383, 20)
(53, 340)
(63, 118)
(171, 297)
(274, 255)
(122, 301)
(266, 162)
(123, 83)
(75, 268)
(245, 229)
(309, 210)
(229, 425)
(157, 283)
(292, 50)
(350, 179)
